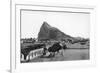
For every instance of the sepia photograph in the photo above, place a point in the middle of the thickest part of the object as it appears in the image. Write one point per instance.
(51, 36)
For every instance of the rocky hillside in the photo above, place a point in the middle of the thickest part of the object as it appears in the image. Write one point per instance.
(48, 32)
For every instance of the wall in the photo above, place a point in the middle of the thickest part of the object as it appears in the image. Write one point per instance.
(5, 35)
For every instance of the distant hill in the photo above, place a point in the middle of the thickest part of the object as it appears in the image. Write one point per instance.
(48, 32)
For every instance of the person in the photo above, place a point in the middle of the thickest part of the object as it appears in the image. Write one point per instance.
(44, 50)
(64, 45)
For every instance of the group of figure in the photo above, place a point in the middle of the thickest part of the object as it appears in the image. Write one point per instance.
(41, 50)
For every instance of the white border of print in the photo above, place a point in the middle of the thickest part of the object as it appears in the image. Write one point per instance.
(17, 67)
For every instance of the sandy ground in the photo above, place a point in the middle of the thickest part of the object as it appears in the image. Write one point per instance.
(68, 55)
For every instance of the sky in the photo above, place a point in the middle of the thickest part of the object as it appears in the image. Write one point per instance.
(73, 24)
